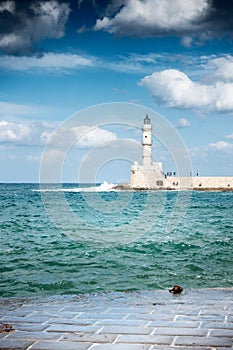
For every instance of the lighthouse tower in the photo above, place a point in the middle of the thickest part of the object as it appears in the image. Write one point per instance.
(149, 175)
(146, 143)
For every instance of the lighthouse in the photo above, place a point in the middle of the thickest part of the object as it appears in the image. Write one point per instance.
(146, 143)
(148, 175)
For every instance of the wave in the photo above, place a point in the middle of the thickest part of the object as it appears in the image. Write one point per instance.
(104, 187)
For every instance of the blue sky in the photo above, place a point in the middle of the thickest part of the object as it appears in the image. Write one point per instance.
(61, 57)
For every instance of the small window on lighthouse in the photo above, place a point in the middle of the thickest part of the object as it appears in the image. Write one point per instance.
(145, 136)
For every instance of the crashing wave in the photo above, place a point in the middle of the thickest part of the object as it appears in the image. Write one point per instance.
(104, 187)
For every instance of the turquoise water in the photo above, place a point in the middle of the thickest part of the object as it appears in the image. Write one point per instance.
(111, 241)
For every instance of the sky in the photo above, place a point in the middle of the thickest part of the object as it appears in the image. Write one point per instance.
(108, 63)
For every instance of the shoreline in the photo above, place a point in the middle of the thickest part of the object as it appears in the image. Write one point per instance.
(81, 296)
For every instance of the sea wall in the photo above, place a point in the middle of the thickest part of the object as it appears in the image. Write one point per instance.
(199, 182)
(151, 179)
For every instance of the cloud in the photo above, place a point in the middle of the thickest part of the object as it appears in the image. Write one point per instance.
(65, 62)
(187, 41)
(195, 21)
(38, 133)
(91, 137)
(25, 23)
(230, 136)
(49, 61)
(156, 17)
(35, 133)
(211, 149)
(222, 68)
(221, 146)
(8, 6)
(33, 159)
(205, 157)
(183, 123)
(175, 89)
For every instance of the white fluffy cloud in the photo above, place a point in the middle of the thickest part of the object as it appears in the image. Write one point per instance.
(35, 133)
(39, 20)
(91, 137)
(176, 89)
(183, 123)
(222, 67)
(49, 61)
(221, 146)
(38, 133)
(155, 17)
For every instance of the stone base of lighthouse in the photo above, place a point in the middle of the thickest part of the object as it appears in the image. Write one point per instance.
(149, 177)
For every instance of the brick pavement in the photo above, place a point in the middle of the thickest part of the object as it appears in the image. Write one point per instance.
(199, 319)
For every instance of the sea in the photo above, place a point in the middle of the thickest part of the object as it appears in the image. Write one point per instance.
(88, 238)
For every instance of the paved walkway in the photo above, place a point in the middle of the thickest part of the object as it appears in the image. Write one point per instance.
(197, 319)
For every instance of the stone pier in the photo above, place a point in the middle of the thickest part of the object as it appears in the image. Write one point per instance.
(199, 319)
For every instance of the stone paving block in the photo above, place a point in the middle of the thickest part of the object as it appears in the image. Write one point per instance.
(120, 347)
(165, 312)
(168, 316)
(204, 341)
(145, 339)
(30, 327)
(179, 324)
(215, 318)
(214, 312)
(72, 321)
(34, 335)
(181, 331)
(91, 337)
(189, 305)
(126, 330)
(100, 316)
(215, 308)
(34, 319)
(96, 306)
(217, 325)
(19, 313)
(150, 317)
(121, 310)
(10, 344)
(81, 309)
(3, 335)
(130, 322)
(40, 308)
(159, 347)
(60, 345)
(222, 333)
(58, 314)
(188, 312)
(66, 328)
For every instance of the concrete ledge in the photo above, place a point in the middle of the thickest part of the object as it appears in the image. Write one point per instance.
(195, 319)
